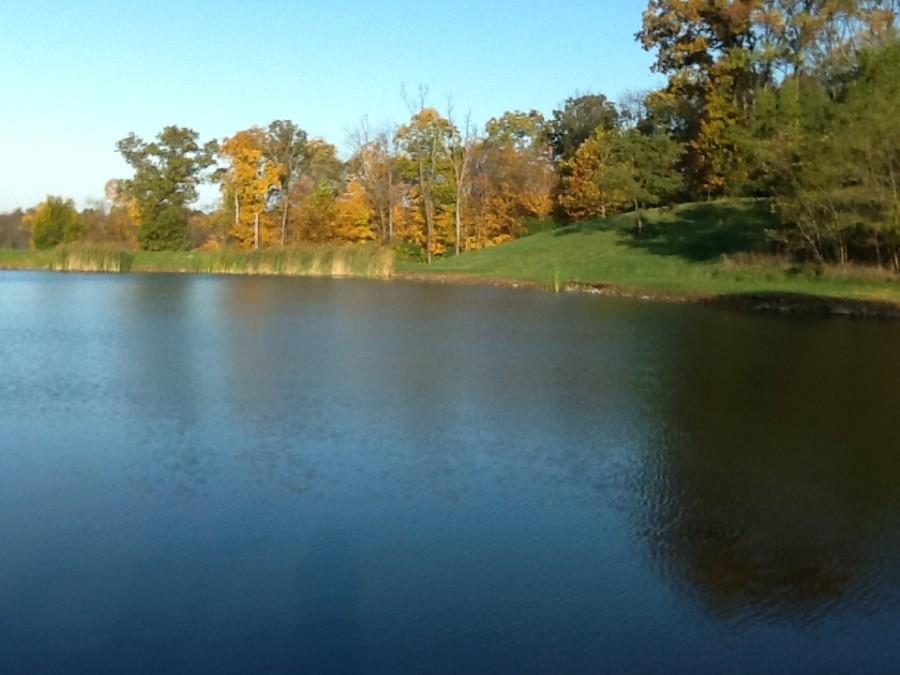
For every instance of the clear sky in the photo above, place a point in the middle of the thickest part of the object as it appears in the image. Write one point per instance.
(75, 76)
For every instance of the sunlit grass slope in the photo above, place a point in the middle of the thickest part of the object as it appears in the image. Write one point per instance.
(692, 249)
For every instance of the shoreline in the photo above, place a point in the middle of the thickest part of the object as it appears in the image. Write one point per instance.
(765, 302)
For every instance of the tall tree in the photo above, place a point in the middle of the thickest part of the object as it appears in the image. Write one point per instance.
(166, 175)
(373, 163)
(315, 194)
(422, 139)
(287, 146)
(249, 182)
(458, 149)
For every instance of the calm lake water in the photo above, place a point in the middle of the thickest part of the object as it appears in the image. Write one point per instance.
(206, 474)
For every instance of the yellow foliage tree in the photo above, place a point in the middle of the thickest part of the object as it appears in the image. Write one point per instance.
(247, 185)
(584, 186)
(353, 220)
(316, 215)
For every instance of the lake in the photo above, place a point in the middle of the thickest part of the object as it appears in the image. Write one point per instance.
(262, 475)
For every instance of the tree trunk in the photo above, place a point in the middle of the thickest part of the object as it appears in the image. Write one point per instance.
(429, 216)
(237, 212)
(256, 231)
(458, 220)
(390, 202)
(284, 217)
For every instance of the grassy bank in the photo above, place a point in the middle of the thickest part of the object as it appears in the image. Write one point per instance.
(689, 251)
(716, 251)
(311, 260)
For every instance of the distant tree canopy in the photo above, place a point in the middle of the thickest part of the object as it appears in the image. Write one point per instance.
(166, 175)
(54, 221)
(12, 232)
(577, 121)
(791, 101)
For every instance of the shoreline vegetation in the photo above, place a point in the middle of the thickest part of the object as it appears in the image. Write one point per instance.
(313, 260)
(673, 258)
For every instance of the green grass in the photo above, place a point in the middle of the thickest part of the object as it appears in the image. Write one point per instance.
(709, 248)
(26, 260)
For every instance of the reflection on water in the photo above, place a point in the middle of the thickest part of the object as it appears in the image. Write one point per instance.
(269, 475)
(770, 492)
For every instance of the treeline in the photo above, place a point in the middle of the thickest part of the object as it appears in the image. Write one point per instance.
(792, 100)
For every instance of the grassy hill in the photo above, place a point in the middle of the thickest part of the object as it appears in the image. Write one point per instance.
(700, 249)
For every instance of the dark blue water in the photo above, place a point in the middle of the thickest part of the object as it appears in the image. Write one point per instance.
(203, 474)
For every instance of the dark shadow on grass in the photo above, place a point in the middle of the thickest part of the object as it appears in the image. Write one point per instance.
(584, 226)
(703, 232)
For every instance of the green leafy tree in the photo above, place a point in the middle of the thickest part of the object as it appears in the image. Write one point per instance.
(643, 170)
(167, 173)
(54, 221)
(616, 170)
(579, 117)
(843, 200)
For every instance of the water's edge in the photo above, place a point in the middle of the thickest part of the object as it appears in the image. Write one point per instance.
(772, 302)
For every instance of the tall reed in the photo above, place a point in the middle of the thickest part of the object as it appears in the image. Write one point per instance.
(326, 260)
(91, 258)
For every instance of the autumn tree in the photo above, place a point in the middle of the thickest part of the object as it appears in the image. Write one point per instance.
(353, 217)
(167, 173)
(373, 163)
(585, 189)
(820, 37)
(422, 140)
(705, 47)
(122, 216)
(458, 148)
(315, 193)
(720, 55)
(248, 183)
(317, 216)
(287, 147)
(54, 221)
(511, 178)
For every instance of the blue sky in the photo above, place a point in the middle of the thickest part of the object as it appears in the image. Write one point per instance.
(75, 76)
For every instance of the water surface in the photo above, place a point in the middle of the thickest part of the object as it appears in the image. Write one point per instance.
(293, 475)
